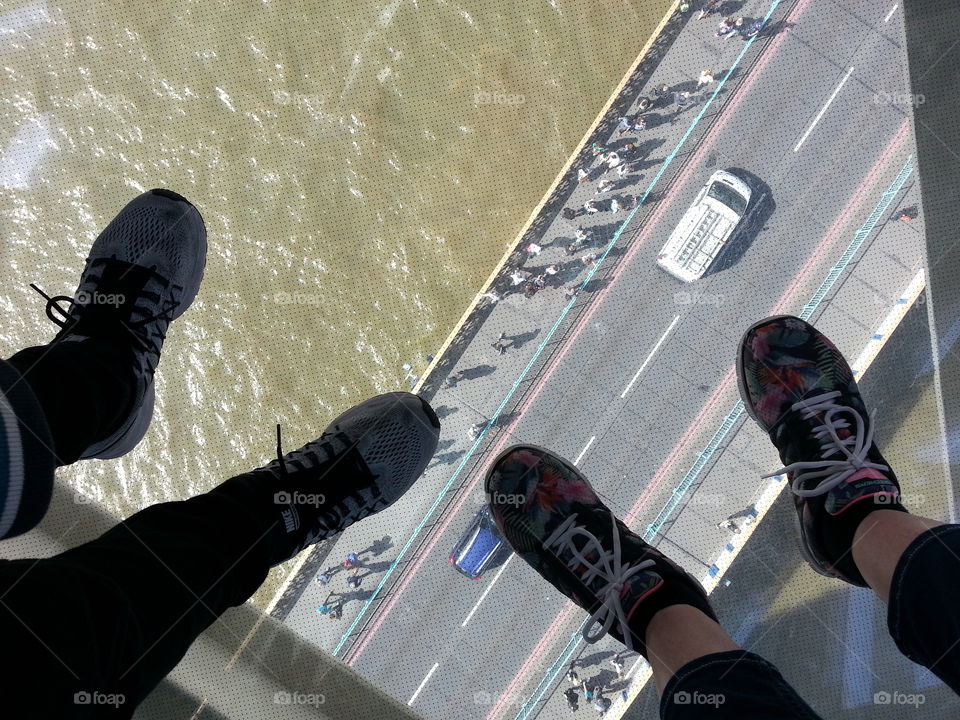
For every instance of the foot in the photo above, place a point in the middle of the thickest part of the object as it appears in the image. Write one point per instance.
(554, 520)
(362, 463)
(143, 271)
(798, 387)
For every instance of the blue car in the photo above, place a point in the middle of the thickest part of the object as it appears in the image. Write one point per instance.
(479, 545)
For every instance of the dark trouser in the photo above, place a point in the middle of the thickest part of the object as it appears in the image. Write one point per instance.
(923, 619)
(110, 618)
(115, 615)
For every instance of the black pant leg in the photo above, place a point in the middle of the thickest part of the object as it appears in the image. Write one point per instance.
(86, 388)
(924, 612)
(733, 685)
(115, 615)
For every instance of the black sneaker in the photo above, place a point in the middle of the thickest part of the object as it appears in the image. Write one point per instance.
(362, 463)
(554, 520)
(143, 271)
(798, 387)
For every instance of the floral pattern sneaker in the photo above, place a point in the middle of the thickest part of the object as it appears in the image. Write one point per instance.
(798, 387)
(554, 520)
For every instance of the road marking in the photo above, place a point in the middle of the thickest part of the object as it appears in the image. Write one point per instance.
(890, 14)
(649, 357)
(489, 587)
(414, 696)
(824, 108)
(585, 448)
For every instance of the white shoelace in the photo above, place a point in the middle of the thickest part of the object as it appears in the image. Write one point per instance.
(607, 567)
(855, 448)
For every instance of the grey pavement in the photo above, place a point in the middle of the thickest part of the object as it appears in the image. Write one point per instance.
(437, 640)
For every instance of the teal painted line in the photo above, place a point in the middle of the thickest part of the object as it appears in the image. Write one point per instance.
(536, 356)
(738, 409)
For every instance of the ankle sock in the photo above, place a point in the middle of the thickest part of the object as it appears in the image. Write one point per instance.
(838, 531)
(678, 588)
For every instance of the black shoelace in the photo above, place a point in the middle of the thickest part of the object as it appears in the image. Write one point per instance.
(148, 342)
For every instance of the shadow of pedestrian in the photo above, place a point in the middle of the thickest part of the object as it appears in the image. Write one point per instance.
(776, 28)
(476, 372)
(378, 547)
(731, 7)
(596, 284)
(444, 445)
(518, 341)
(444, 411)
(361, 595)
(377, 567)
(444, 459)
(505, 419)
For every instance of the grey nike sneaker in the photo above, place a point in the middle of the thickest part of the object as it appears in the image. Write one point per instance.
(362, 463)
(143, 271)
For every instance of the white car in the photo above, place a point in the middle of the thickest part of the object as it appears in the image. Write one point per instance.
(706, 227)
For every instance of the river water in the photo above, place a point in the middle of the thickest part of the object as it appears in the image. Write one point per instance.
(361, 167)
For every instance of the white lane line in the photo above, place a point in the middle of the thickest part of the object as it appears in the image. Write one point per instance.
(824, 108)
(585, 448)
(890, 14)
(650, 356)
(414, 696)
(489, 587)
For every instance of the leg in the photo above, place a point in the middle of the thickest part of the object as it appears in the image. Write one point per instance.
(89, 392)
(135, 599)
(142, 592)
(924, 597)
(879, 543)
(798, 387)
(679, 634)
(85, 390)
(698, 668)
(633, 592)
